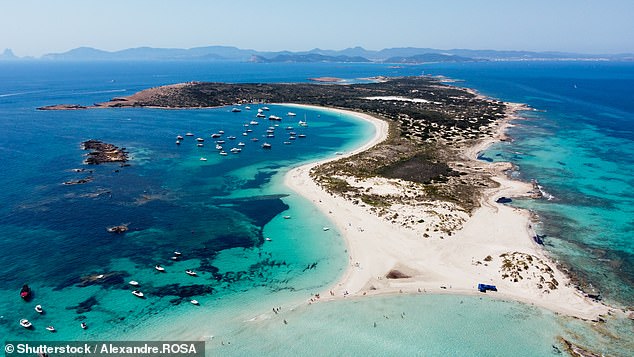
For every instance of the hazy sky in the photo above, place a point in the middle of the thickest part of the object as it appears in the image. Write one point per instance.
(35, 27)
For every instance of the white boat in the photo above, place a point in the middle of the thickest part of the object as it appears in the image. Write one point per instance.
(189, 134)
(177, 253)
(266, 146)
(83, 325)
(159, 268)
(195, 302)
(287, 217)
(223, 153)
(174, 257)
(244, 134)
(51, 328)
(292, 137)
(200, 139)
(260, 115)
(274, 117)
(291, 114)
(26, 323)
(39, 309)
(241, 144)
(218, 147)
(247, 107)
(191, 272)
(216, 135)
(235, 150)
(289, 128)
(134, 283)
(179, 137)
(203, 159)
(260, 110)
(221, 132)
(178, 142)
(137, 293)
(236, 110)
(301, 135)
(249, 131)
(253, 122)
(231, 137)
(200, 145)
(255, 139)
(267, 239)
(265, 108)
(326, 228)
(220, 141)
(287, 143)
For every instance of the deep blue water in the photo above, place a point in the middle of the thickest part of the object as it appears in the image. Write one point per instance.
(578, 146)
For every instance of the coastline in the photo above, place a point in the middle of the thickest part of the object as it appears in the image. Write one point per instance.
(491, 237)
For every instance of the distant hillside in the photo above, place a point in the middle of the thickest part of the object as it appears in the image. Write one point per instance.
(311, 57)
(353, 54)
(429, 58)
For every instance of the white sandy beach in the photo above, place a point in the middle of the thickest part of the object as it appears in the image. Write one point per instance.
(437, 264)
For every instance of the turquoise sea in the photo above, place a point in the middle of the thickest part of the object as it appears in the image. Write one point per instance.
(219, 212)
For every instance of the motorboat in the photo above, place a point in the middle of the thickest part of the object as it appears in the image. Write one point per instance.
(51, 328)
(179, 137)
(260, 115)
(159, 268)
(174, 257)
(326, 228)
(134, 283)
(220, 142)
(247, 107)
(221, 132)
(195, 302)
(83, 325)
(177, 253)
(26, 323)
(231, 137)
(200, 139)
(178, 142)
(301, 135)
(218, 147)
(291, 114)
(25, 292)
(253, 122)
(274, 117)
(289, 128)
(255, 139)
(235, 150)
(302, 123)
(287, 143)
(236, 110)
(287, 217)
(39, 309)
(223, 153)
(191, 272)
(267, 239)
(200, 145)
(137, 293)
(266, 146)
(265, 108)
(203, 159)
(216, 135)
(241, 144)
(189, 134)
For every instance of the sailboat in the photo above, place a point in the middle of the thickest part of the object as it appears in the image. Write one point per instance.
(303, 122)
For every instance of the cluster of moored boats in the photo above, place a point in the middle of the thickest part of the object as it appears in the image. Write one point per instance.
(177, 255)
(220, 142)
(27, 294)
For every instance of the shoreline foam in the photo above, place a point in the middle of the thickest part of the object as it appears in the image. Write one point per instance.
(454, 265)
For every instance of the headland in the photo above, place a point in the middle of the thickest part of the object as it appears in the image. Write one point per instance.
(417, 209)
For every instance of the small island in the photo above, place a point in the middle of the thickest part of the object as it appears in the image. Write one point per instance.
(103, 152)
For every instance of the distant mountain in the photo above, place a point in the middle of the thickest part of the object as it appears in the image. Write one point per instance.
(8, 55)
(310, 57)
(429, 58)
(353, 54)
